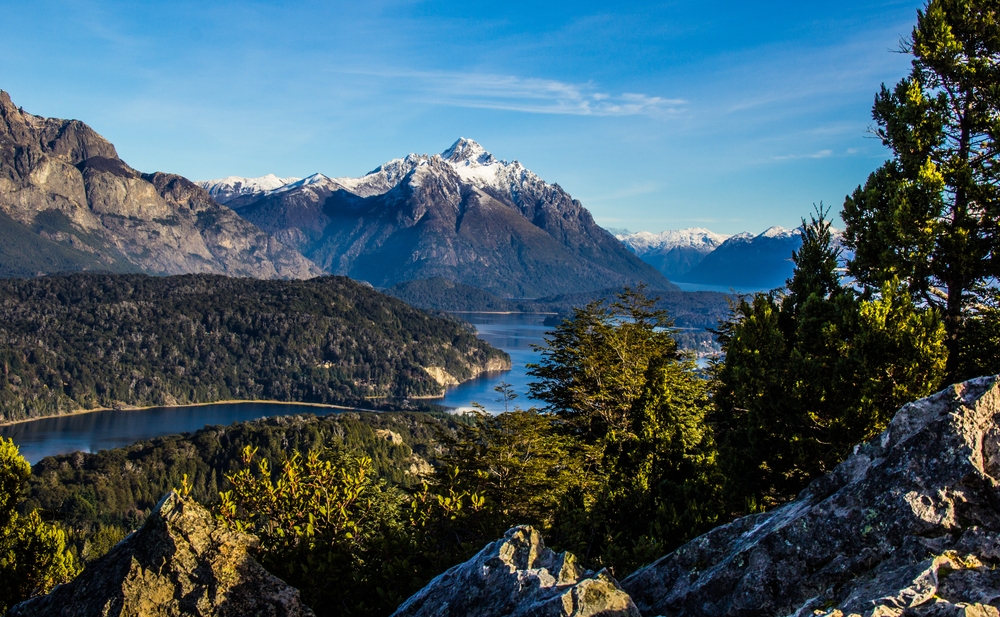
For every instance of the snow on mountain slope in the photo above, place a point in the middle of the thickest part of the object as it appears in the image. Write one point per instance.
(697, 238)
(231, 187)
(461, 214)
(674, 252)
(470, 161)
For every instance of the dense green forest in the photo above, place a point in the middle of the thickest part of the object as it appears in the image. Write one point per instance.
(85, 341)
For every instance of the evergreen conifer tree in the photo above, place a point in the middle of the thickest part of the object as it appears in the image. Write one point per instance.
(931, 215)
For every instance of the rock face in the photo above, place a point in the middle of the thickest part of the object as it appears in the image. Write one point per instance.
(68, 203)
(517, 577)
(182, 562)
(908, 525)
(461, 215)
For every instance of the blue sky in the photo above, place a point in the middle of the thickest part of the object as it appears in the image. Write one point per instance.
(726, 115)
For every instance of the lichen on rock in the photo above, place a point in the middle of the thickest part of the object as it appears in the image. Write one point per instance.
(518, 576)
(182, 562)
(909, 524)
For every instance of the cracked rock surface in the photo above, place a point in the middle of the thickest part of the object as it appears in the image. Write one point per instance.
(908, 525)
(181, 563)
(518, 576)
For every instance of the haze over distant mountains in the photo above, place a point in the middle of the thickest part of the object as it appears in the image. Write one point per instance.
(701, 257)
(68, 203)
(673, 252)
(744, 261)
(462, 215)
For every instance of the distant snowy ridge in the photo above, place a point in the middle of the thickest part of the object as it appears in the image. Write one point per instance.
(467, 158)
(227, 189)
(697, 238)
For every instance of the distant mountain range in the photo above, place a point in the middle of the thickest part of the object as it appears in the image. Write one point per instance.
(744, 261)
(68, 203)
(462, 215)
(700, 257)
(673, 252)
(232, 188)
(763, 261)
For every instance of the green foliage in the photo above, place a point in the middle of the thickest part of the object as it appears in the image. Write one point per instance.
(636, 409)
(519, 463)
(86, 341)
(663, 482)
(33, 558)
(809, 374)
(593, 366)
(980, 338)
(109, 492)
(321, 525)
(929, 216)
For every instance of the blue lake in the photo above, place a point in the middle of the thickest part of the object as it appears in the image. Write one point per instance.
(514, 333)
(101, 430)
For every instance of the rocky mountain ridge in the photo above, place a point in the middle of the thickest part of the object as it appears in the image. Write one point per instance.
(181, 562)
(907, 526)
(461, 214)
(67, 202)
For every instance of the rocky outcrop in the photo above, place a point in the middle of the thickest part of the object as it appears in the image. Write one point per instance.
(181, 563)
(67, 202)
(909, 524)
(517, 577)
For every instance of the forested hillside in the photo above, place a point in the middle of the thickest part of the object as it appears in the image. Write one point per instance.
(113, 490)
(86, 341)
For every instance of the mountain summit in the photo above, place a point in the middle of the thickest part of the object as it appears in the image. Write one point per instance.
(463, 215)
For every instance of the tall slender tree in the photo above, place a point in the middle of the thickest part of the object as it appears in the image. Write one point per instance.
(931, 215)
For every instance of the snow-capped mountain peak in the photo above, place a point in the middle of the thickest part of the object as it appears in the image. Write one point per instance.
(777, 231)
(468, 152)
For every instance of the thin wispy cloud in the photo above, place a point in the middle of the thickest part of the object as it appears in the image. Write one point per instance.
(822, 154)
(532, 95)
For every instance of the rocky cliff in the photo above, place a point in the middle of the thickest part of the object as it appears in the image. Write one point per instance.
(67, 202)
(182, 562)
(908, 525)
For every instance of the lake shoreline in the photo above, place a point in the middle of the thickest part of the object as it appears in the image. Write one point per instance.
(78, 412)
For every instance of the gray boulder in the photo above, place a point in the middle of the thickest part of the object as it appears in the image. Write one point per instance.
(182, 562)
(909, 524)
(518, 577)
